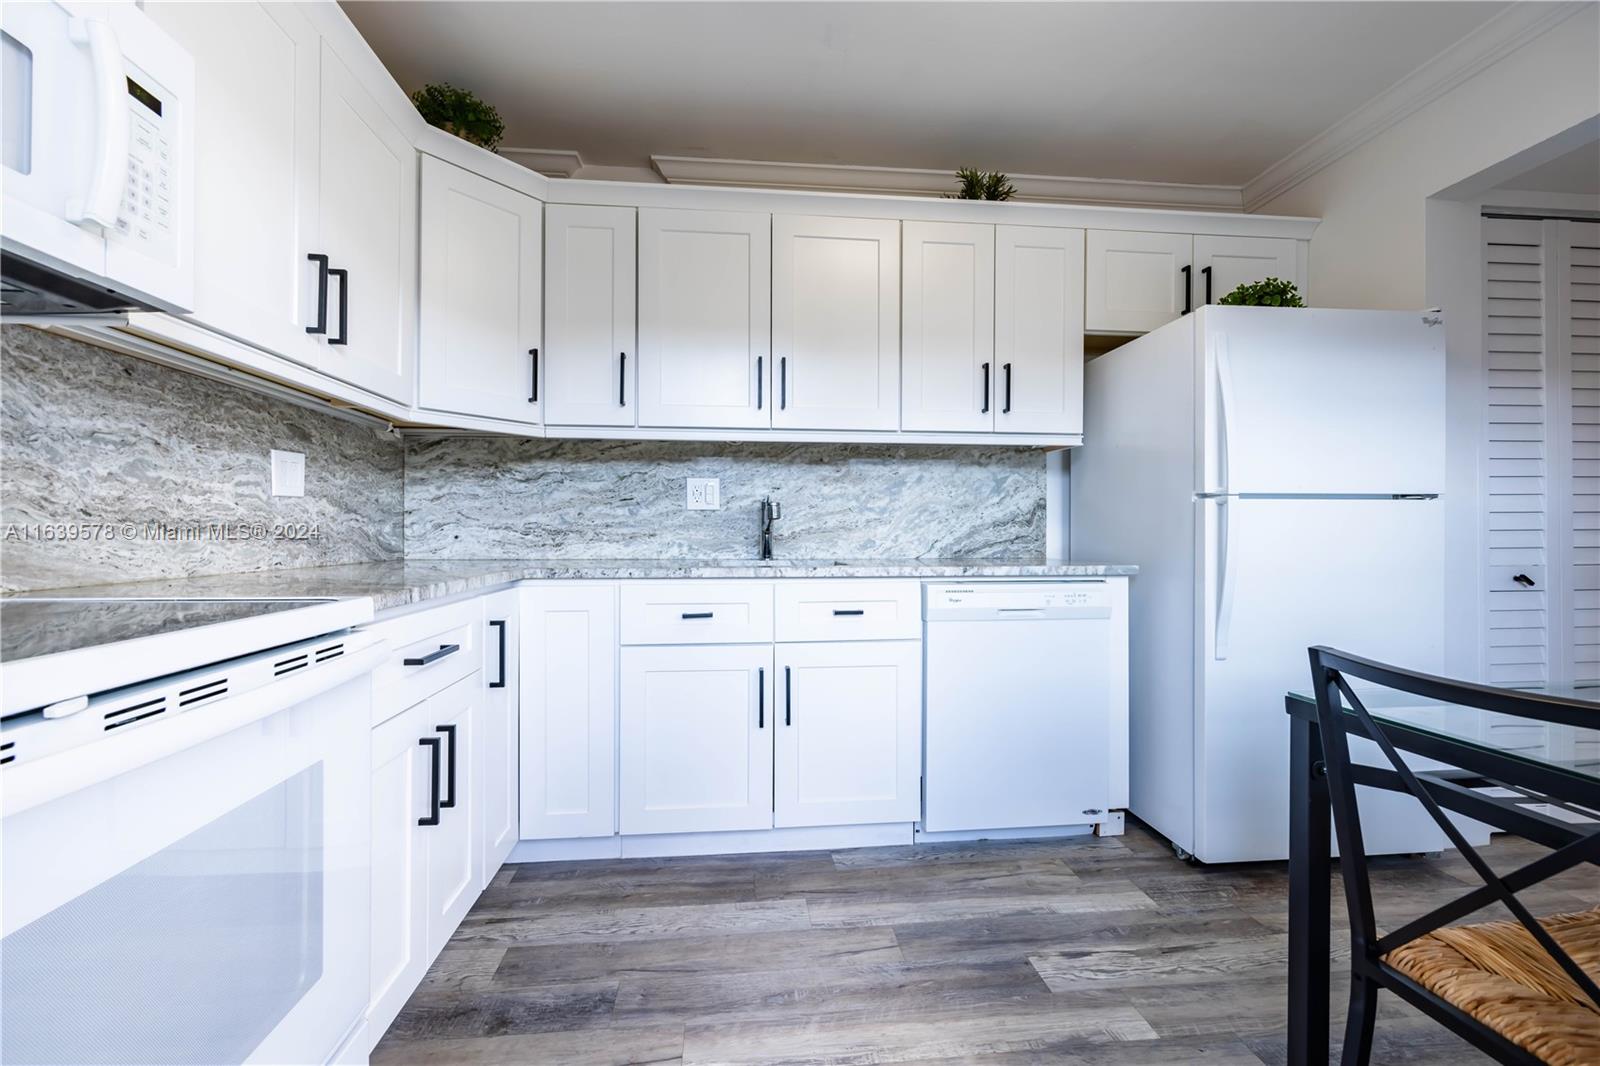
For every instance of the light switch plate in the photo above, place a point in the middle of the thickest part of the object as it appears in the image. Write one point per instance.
(705, 494)
(288, 473)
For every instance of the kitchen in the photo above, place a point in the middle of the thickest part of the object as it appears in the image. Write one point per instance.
(523, 605)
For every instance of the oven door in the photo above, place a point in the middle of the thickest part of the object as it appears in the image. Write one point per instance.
(207, 907)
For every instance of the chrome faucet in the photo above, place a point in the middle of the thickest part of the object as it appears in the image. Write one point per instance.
(770, 512)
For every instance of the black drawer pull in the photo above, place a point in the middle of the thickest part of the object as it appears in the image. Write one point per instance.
(501, 626)
(450, 771)
(837, 611)
(434, 656)
(698, 614)
(432, 743)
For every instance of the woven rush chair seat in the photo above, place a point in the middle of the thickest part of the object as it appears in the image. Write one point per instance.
(1497, 973)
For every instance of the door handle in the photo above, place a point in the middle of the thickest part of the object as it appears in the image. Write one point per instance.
(434, 656)
(432, 743)
(1005, 410)
(760, 372)
(985, 408)
(501, 626)
(1188, 287)
(533, 392)
(103, 197)
(1524, 580)
(322, 293)
(1205, 272)
(344, 306)
(788, 699)
(450, 771)
(622, 380)
(783, 383)
(761, 697)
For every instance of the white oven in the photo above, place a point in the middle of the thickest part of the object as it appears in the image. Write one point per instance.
(184, 864)
(98, 160)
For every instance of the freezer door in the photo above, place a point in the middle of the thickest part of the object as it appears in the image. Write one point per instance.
(1279, 576)
(1321, 401)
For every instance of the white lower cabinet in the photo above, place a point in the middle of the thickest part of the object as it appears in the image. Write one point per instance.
(497, 729)
(452, 842)
(568, 734)
(696, 738)
(848, 747)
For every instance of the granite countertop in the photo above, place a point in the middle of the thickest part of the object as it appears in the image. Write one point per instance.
(403, 582)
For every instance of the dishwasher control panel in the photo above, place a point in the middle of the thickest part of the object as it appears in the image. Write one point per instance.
(1000, 600)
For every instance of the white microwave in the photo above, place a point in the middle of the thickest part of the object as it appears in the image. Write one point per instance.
(98, 161)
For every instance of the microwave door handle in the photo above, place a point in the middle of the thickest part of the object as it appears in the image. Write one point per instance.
(110, 172)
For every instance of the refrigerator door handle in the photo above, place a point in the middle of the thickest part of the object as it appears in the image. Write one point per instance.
(1225, 408)
(1227, 579)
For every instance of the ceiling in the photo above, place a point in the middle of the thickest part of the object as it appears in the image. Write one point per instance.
(1576, 172)
(1194, 92)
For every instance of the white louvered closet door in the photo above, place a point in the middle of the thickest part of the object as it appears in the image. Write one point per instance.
(1542, 350)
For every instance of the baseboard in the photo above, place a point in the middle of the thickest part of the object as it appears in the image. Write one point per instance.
(740, 842)
(1034, 833)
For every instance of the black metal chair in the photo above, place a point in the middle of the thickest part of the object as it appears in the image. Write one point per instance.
(1522, 991)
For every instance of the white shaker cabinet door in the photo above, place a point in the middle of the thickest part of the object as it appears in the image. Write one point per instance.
(836, 322)
(705, 323)
(590, 355)
(481, 253)
(1137, 281)
(497, 732)
(255, 168)
(367, 227)
(450, 716)
(848, 733)
(1222, 264)
(1038, 329)
(697, 728)
(400, 797)
(569, 711)
(948, 311)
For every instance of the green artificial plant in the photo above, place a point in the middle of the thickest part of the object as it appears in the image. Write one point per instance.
(460, 112)
(983, 185)
(1269, 292)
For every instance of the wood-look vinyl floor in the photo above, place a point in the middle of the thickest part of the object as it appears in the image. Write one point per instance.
(1084, 952)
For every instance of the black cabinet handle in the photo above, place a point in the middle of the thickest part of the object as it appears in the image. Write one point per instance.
(1188, 288)
(760, 365)
(434, 656)
(322, 293)
(501, 626)
(1007, 408)
(842, 611)
(533, 391)
(698, 614)
(344, 307)
(788, 699)
(985, 409)
(761, 697)
(1205, 272)
(1524, 580)
(622, 380)
(432, 743)
(783, 383)
(450, 772)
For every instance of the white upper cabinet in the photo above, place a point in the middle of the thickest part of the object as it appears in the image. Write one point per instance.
(705, 324)
(590, 355)
(948, 336)
(1222, 264)
(367, 227)
(1038, 329)
(836, 322)
(1137, 281)
(256, 85)
(478, 348)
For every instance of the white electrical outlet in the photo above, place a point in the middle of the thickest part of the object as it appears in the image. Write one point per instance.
(705, 494)
(288, 473)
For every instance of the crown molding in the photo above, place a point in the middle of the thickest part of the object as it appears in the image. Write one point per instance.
(1494, 40)
(899, 181)
(551, 162)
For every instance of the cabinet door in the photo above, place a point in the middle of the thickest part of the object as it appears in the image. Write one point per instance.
(849, 733)
(1136, 281)
(255, 167)
(705, 323)
(696, 738)
(836, 322)
(590, 355)
(569, 711)
(1222, 264)
(452, 844)
(1038, 329)
(497, 733)
(400, 783)
(367, 226)
(478, 346)
(949, 326)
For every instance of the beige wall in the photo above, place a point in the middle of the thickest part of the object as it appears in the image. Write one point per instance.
(1368, 251)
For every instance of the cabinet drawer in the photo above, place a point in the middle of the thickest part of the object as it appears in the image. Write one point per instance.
(421, 663)
(697, 612)
(846, 609)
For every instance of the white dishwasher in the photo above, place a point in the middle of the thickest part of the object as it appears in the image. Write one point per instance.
(1026, 704)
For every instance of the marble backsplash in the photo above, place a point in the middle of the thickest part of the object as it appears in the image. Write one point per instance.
(138, 463)
(501, 497)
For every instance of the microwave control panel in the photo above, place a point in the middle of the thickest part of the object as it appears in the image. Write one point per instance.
(145, 214)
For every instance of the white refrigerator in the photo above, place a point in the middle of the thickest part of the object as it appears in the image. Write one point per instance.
(1276, 474)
